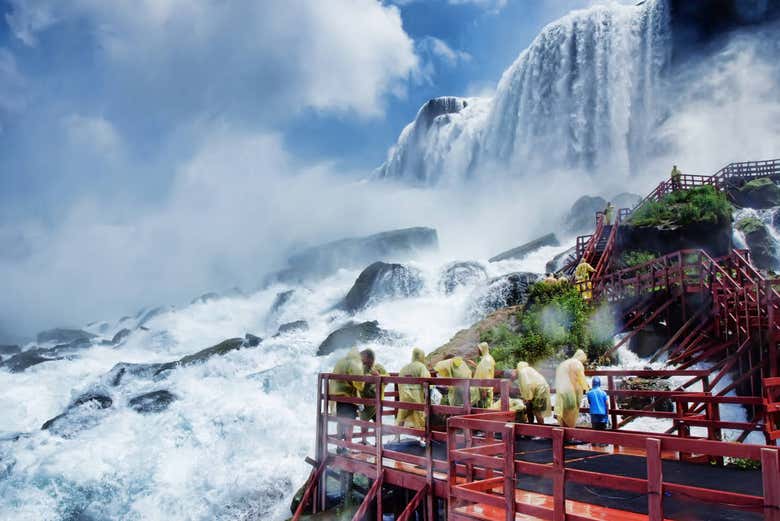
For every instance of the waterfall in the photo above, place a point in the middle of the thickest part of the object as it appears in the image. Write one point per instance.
(582, 95)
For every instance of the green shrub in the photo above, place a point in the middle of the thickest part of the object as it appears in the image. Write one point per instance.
(555, 322)
(631, 258)
(744, 463)
(703, 204)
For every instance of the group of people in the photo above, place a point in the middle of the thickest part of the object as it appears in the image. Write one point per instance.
(534, 403)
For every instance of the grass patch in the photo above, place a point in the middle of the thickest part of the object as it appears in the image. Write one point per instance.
(555, 322)
(702, 204)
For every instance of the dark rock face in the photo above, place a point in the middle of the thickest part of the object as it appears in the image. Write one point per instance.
(759, 193)
(582, 216)
(435, 107)
(645, 384)
(10, 349)
(252, 340)
(647, 341)
(506, 291)
(290, 327)
(220, 349)
(155, 401)
(381, 281)
(556, 263)
(461, 274)
(63, 336)
(82, 414)
(120, 336)
(763, 247)
(29, 358)
(324, 260)
(714, 238)
(521, 251)
(350, 335)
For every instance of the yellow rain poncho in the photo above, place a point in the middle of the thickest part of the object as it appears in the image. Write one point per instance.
(582, 276)
(412, 392)
(453, 368)
(370, 392)
(570, 384)
(483, 396)
(351, 365)
(535, 392)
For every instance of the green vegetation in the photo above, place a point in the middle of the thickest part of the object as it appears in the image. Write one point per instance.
(631, 258)
(749, 225)
(702, 204)
(744, 463)
(555, 322)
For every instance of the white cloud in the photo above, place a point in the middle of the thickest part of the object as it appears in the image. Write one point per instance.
(95, 133)
(283, 55)
(436, 52)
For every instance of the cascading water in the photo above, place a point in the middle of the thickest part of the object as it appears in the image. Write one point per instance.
(583, 95)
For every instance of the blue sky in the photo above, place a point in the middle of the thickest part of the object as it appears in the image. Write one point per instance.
(140, 141)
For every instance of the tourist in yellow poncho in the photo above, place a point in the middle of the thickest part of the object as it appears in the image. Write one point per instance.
(372, 368)
(349, 365)
(483, 396)
(570, 384)
(535, 392)
(453, 368)
(412, 392)
(582, 276)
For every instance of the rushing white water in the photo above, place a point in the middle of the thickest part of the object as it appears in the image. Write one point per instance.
(583, 95)
(232, 445)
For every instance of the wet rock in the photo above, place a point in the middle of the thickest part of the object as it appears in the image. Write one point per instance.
(220, 349)
(206, 297)
(382, 281)
(582, 216)
(460, 274)
(10, 349)
(155, 401)
(149, 315)
(82, 413)
(351, 335)
(351, 253)
(557, 263)
(521, 251)
(122, 370)
(645, 384)
(758, 193)
(252, 340)
(281, 299)
(291, 327)
(763, 247)
(120, 336)
(508, 290)
(63, 336)
(29, 358)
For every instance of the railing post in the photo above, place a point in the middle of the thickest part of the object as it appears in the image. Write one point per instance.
(655, 498)
(504, 395)
(452, 476)
(379, 443)
(509, 470)
(428, 451)
(323, 441)
(559, 477)
(612, 401)
(770, 473)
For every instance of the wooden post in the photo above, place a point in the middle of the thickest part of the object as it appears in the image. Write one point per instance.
(655, 497)
(324, 441)
(379, 444)
(504, 395)
(612, 401)
(452, 477)
(509, 470)
(770, 471)
(559, 477)
(428, 452)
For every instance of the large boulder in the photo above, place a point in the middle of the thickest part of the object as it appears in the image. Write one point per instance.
(521, 251)
(763, 247)
(459, 274)
(220, 349)
(714, 238)
(61, 335)
(326, 259)
(758, 193)
(10, 349)
(640, 402)
(581, 218)
(21, 361)
(292, 327)
(351, 335)
(382, 281)
(505, 291)
(83, 413)
(252, 340)
(465, 341)
(152, 402)
(120, 336)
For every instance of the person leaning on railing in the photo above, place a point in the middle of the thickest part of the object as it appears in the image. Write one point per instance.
(412, 393)
(349, 365)
(535, 392)
(372, 368)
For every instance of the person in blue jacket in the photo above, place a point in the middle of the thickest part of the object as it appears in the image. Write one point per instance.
(597, 399)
